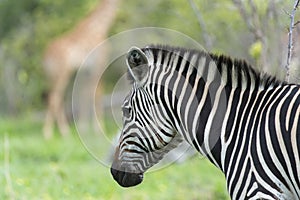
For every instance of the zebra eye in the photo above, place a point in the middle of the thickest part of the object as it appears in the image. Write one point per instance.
(126, 112)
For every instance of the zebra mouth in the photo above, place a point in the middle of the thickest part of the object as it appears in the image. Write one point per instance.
(126, 179)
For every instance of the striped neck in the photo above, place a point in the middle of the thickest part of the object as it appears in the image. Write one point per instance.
(196, 88)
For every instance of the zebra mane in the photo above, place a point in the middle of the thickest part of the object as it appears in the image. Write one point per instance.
(243, 71)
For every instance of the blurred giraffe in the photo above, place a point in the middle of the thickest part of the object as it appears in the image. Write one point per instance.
(65, 54)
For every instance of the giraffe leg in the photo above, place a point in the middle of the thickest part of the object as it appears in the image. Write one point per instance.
(60, 115)
(55, 110)
(62, 121)
(49, 121)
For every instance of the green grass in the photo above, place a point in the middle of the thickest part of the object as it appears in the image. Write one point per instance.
(63, 169)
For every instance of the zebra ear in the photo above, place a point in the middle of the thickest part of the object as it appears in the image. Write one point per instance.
(138, 65)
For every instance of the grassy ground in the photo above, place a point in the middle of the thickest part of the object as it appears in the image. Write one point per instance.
(32, 168)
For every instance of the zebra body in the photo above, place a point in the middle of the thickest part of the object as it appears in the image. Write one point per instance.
(246, 123)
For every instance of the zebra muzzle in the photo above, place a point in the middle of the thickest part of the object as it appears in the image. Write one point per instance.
(125, 178)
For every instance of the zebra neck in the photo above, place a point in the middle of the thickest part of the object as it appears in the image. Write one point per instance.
(226, 83)
(198, 98)
(196, 89)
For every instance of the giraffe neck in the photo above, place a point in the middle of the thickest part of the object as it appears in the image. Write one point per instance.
(96, 25)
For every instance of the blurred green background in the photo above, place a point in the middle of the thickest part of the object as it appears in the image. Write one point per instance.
(32, 168)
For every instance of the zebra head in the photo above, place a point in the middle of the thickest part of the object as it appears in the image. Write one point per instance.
(147, 133)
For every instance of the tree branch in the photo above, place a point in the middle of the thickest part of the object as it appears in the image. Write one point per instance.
(206, 37)
(290, 44)
(255, 20)
(248, 18)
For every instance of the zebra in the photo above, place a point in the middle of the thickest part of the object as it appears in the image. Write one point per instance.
(178, 155)
(245, 122)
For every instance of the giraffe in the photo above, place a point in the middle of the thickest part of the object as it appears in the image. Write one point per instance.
(65, 54)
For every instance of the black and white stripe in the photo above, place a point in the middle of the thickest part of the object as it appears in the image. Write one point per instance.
(246, 123)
